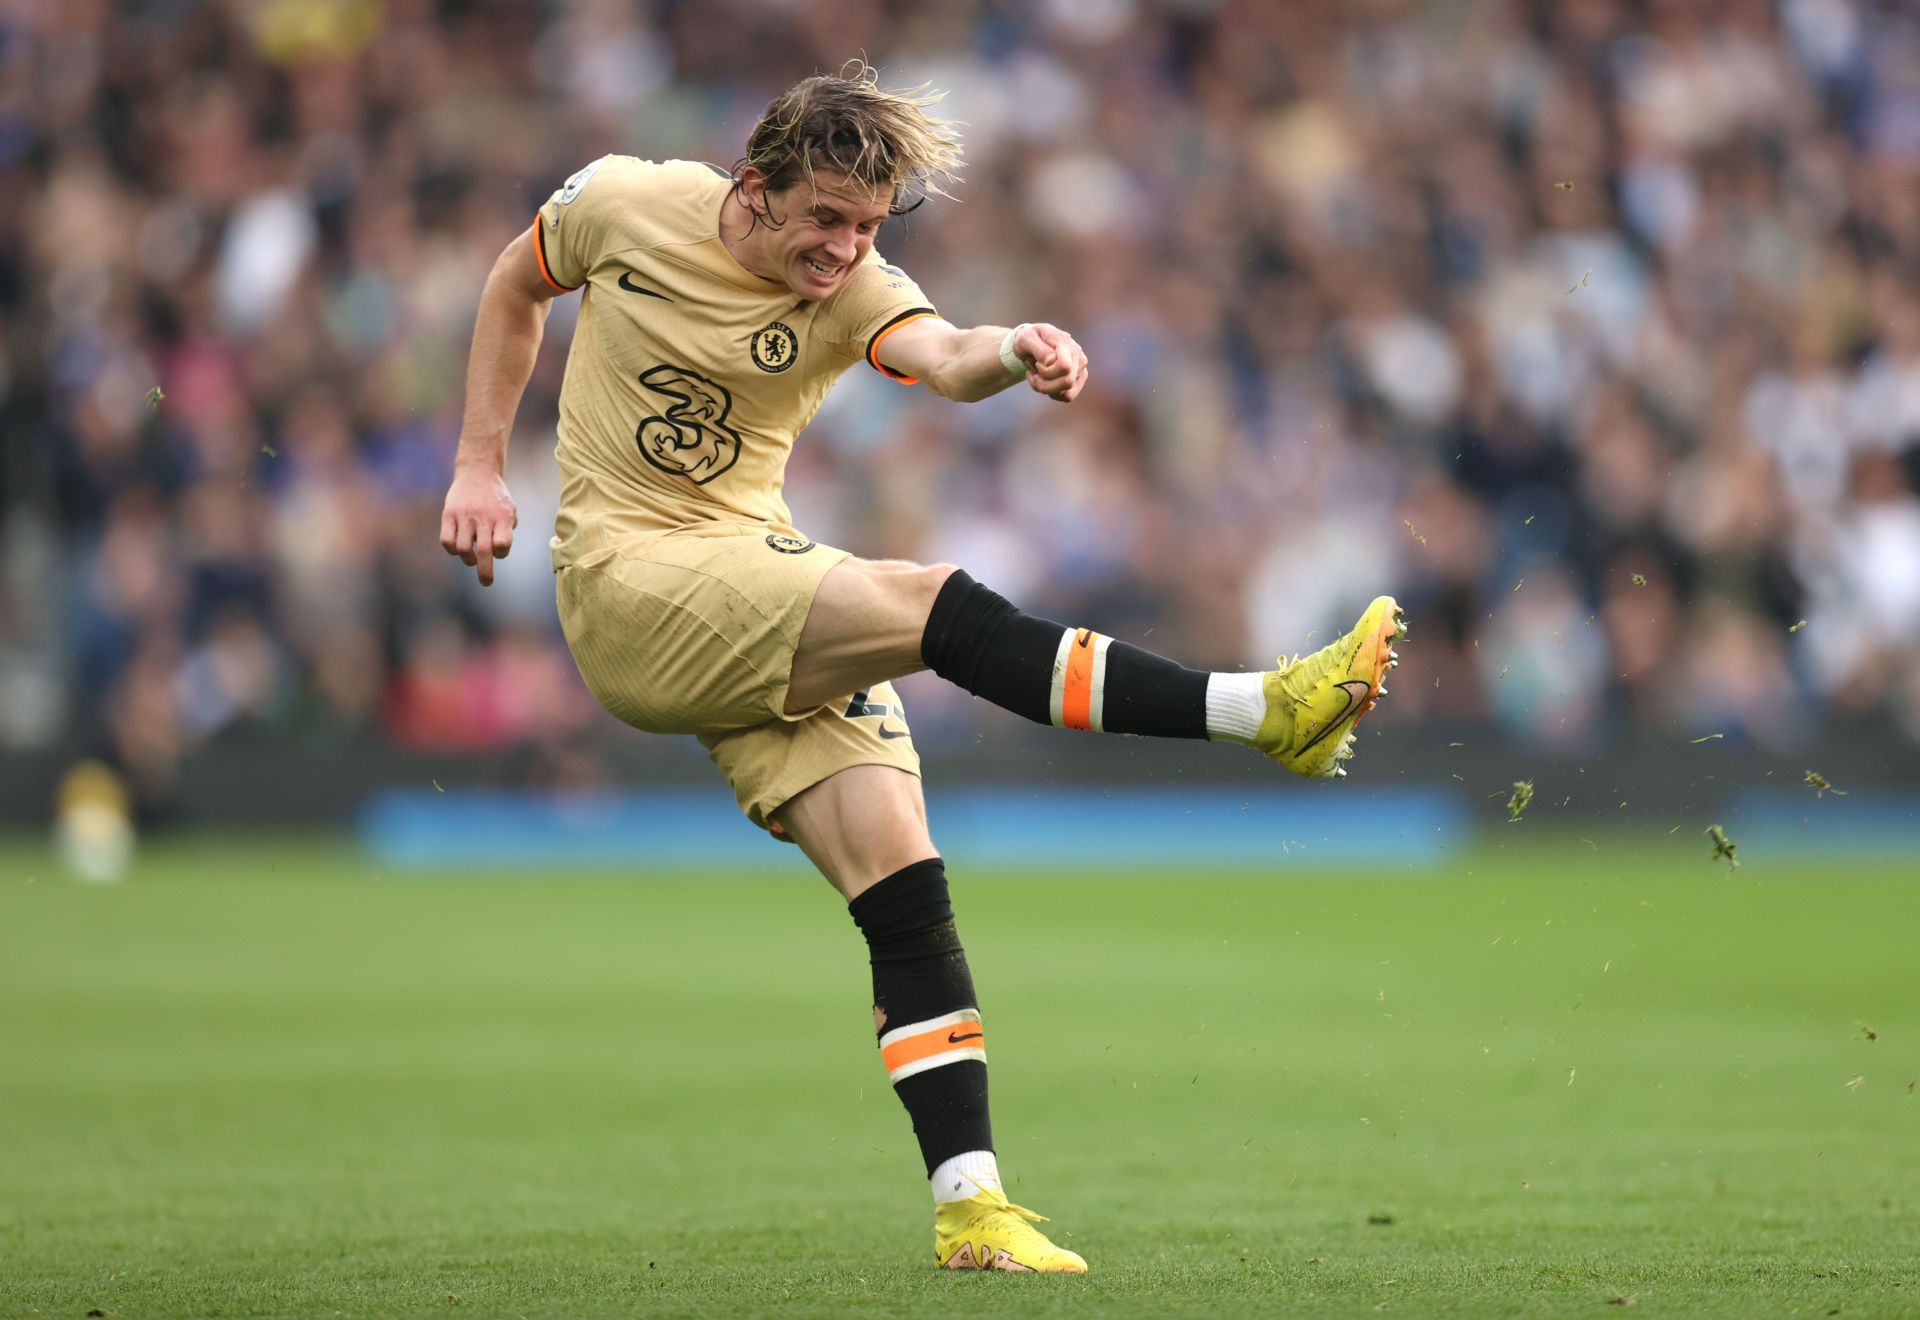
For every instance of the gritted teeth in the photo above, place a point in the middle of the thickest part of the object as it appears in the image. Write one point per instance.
(819, 269)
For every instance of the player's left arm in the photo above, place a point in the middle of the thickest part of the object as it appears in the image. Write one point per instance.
(965, 365)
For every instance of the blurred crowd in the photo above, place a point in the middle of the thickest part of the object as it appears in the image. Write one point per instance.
(1591, 328)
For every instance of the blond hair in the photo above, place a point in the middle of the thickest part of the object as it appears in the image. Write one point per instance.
(846, 123)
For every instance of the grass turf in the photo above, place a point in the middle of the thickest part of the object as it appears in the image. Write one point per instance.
(270, 1079)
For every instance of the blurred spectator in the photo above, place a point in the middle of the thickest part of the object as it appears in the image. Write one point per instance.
(1590, 328)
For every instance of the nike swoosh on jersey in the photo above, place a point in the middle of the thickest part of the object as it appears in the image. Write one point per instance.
(971, 1035)
(626, 282)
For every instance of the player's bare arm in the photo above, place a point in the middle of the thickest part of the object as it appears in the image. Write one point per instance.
(478, 519)
(966, 365)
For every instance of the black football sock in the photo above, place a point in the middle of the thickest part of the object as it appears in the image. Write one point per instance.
(931, 1040)
(1068, 677)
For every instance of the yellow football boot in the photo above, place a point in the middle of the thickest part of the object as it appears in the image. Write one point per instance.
(1314, 702)
(989, 1232)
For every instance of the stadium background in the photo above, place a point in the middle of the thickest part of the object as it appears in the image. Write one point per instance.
(1590, 329)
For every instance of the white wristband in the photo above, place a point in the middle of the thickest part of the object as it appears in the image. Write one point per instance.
(1008, 358)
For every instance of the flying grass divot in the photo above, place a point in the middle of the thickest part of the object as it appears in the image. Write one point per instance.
(1723, 847)
(1821, 787)
(1521, 799)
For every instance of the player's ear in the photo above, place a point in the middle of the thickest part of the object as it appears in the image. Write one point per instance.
(750, 181)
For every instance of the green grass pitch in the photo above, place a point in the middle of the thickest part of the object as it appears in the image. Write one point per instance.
(270, 1079)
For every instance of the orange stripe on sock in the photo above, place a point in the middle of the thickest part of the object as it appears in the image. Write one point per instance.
(1076, 691)
(940, 1040)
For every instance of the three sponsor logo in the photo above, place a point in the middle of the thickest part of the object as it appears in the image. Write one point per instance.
(692, 438)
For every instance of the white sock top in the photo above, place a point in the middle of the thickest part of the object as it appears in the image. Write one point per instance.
(965, 1175)
(1236, 703)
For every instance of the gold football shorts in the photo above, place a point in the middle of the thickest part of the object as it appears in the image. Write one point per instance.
(695, 632)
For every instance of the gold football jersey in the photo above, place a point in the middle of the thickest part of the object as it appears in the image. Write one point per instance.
(689, 376)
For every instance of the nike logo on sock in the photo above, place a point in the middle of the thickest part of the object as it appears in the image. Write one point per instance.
(952, 1039)
(626, 282)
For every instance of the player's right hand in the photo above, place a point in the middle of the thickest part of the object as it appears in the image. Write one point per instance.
(478, 520)
(1058, 363)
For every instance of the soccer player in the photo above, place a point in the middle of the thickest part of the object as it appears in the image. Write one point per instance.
(718, 308)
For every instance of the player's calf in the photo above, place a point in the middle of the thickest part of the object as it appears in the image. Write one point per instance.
(931, 1038)
(1074, 678)
(1071, 678)
(934, 1046)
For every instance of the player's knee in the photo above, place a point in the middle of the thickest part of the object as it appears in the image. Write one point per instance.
(932, 578)
(910, 587)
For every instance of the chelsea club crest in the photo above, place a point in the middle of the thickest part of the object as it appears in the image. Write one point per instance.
(774, 347)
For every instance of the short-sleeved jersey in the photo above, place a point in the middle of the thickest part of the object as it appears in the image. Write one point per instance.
(689, 375)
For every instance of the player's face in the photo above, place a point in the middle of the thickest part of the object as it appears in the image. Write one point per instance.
(829, 229)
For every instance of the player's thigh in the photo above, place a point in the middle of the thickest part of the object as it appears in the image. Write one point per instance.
(692, 634)
(860, 826)
(775, 763)
(865, 626)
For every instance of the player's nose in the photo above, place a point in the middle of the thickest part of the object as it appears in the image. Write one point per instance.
(841, 248)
